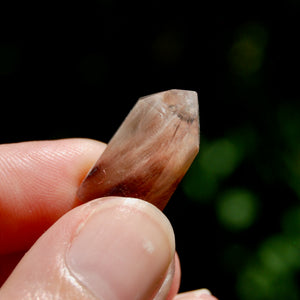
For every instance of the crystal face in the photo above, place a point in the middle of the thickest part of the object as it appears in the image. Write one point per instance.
(150, 152)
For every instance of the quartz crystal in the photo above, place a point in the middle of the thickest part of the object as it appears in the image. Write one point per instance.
(150, 152)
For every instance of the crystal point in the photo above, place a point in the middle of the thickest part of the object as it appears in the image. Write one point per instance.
(150, 152)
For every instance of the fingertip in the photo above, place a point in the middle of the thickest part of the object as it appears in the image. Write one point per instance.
(201, 294)
(110, 248)
(135, 236)
(38, 183)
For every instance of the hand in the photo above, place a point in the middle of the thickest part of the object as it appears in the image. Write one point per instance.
(110, 248)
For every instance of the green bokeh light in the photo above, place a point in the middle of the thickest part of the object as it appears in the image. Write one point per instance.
(248, 50)
(217, 160)
(272, 271)
(237, 209)
(279, 254)
(256, 282)
(220, 157)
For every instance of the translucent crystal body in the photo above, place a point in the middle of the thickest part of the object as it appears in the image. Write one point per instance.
(150, 152)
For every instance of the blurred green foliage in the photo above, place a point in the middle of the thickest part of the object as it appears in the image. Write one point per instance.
(237, 209)
(217, 160)
(271, 269)
(251, 178)
(271, 273)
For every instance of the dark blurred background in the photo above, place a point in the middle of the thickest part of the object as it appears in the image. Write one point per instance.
(75, 69)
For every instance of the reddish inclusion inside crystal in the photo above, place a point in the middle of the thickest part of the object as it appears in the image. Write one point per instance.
(150, 152)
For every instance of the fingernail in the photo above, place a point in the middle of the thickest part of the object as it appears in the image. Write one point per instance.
(167, 283)
(202, 294)
(123, 250)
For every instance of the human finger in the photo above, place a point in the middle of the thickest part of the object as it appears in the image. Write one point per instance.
(110, 248)
(38, 184)
(202, 294)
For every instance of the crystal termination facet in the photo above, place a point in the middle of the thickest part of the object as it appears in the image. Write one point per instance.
(150, 152)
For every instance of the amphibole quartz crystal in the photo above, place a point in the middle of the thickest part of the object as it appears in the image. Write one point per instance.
(151, 151)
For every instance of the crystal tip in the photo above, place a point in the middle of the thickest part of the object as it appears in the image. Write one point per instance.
(183, 103)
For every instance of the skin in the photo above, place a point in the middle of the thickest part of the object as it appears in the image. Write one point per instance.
(41, 215)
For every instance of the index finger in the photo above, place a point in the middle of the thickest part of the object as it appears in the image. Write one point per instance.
(38, 184)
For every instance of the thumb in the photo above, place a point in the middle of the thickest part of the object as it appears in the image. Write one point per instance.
(111, 248)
